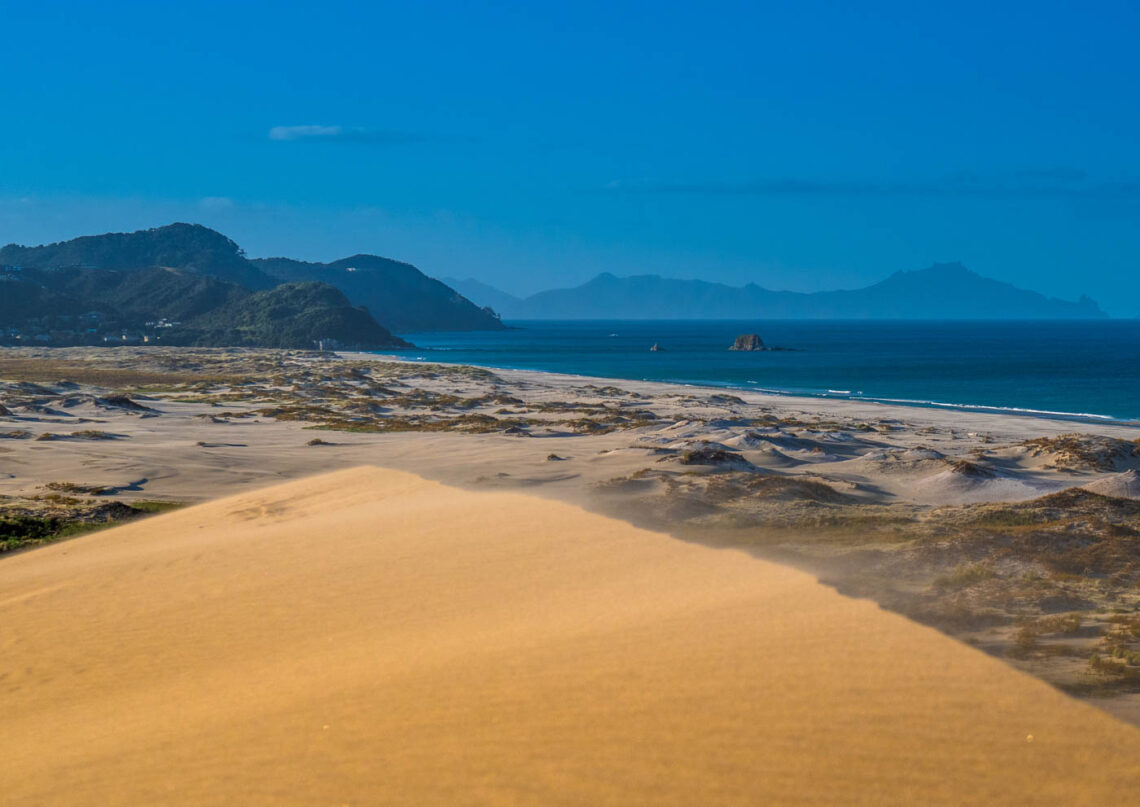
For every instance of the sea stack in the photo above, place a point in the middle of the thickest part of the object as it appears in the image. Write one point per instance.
(748, 341)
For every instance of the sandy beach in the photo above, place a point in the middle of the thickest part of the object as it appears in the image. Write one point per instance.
(867, 603)
(369, 636)
(215, 421)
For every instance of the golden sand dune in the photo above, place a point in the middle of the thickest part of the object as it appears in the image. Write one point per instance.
(370, 637)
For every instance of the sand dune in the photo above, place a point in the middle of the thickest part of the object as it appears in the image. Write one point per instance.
(370, 637)
(1124, 485)
(955, 486)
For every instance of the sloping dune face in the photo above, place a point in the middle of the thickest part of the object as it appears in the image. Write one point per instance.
(371, 637)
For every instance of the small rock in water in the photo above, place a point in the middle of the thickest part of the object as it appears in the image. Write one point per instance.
(748, 341)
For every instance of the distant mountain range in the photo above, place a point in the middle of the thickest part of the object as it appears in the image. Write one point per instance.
(209, 284)
(942, 291)
(187, 284)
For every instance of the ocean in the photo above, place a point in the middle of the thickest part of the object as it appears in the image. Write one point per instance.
(1078, 369)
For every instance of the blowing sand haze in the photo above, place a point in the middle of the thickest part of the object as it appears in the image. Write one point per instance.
(368, 637)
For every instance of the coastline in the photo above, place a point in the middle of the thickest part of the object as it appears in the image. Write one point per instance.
(844, 404)
(1071, 370)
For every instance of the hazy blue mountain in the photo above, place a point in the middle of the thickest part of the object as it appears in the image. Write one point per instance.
(190, 247)
(485, 295)
(398, 294)
(942, 291)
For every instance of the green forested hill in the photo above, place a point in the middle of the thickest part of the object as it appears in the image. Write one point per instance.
(172, 306)
(291, 315)
(190, 247)
(397, 294)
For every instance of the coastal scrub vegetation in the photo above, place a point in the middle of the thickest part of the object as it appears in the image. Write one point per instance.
(902, 513)
(53, 517)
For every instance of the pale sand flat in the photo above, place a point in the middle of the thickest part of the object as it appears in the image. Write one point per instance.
(370, 637)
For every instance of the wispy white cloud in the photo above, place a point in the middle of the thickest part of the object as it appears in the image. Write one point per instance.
(320, 133)
(307, 132)
(216, 202)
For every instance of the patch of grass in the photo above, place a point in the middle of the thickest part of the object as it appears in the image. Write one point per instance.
(154, 506)
(471, 423)
(816, 424)
(966, 575)
(72, 487)
(589, 426)
(95, 373)
(721, 399)
(1008, 517)
(93, 434)
(58, 500)
(971, 469)
(316, 413)
(1062, 624)
(568, 407)
(1084, 451)
(83, 434)
(20, 530)
(1125, 668)
(708, 455)
(1026, 635)
(1126, 623)
(424, 399)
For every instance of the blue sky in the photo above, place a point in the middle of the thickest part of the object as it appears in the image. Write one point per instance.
(802, 145)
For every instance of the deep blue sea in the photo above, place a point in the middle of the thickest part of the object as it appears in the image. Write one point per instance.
(1086, 368)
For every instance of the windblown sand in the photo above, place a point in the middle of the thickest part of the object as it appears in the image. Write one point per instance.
(371, 637)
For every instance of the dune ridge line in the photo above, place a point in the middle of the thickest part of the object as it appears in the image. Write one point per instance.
(368, 636)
